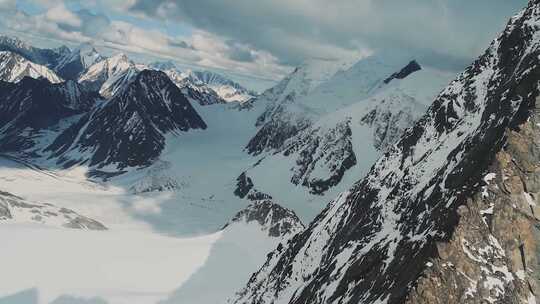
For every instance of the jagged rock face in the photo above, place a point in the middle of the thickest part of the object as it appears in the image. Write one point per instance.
(32, 105)
(129, 129)
(330, 151)
(323, 152)
(273, 218)
(279, 122)
(278, 128)
(410, 68)
(72, 65)
(14, 67)
(16, 209)
(225, 88)
(197, 91)
(325, 131)
(373, 243)
(245, 189)
(493, 253)
(244, 184)
(387, 123)
(109, 76)
(200, 93)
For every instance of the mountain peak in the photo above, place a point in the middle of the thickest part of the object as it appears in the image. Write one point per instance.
(418, 228)
(272, 217)
(129, 130)
(14, 67)
(410, 68)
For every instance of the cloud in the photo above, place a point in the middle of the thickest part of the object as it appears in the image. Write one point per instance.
(57, 21)
(8, 5)
(294, 30)
(61, 15)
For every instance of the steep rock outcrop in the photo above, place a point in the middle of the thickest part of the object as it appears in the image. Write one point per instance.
(129, 129)
(374, 243)
(32, 106)
(493, 253)
(276, 220)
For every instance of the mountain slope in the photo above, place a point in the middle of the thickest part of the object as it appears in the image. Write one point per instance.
(72, 65)
(14, 67)
(197, 91)
(206, 82)
(317, 89)
(45, 57)
(227, 89)
(372, 244)
(348, 121)
(128, 130)
(33, 109)
(110, 75)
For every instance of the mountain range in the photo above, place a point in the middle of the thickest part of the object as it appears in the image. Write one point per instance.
(380, 179)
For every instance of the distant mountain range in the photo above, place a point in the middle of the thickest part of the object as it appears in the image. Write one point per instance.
(87, 66)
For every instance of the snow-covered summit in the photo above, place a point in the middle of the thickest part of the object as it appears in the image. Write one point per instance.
(72, 65)
(45, 57)
(128, 130)
(109, 75)
(347, 121)
(206, 82)
(14, 67)
(227, 89)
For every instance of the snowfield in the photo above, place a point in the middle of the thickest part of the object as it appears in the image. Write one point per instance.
(165, 242)
(119, 267)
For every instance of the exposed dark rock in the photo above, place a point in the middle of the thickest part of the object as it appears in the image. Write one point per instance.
(129, 129)
(35, 104)
(277, 220)
(422, 200)
(410, 68)
(245, 189)
(243, 185)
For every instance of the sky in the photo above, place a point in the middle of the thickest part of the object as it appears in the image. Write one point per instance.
(260, 41)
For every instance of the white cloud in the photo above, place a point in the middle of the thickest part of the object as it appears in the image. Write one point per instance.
(6, 5)
(200, 48)
(61, 15)
(299, 29)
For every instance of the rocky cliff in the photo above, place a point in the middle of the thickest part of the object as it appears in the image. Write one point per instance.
(447, 214)
(493, 254)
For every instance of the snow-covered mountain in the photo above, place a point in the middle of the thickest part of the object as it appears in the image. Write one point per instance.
(206, 83)
(128, 130)
(46, 57)
(110, 75)
(14, 209)
(14, 67)
(196, 91)
(227, 89)
(348, 120)
(33, 110)
(436, 218)
(72, 65)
